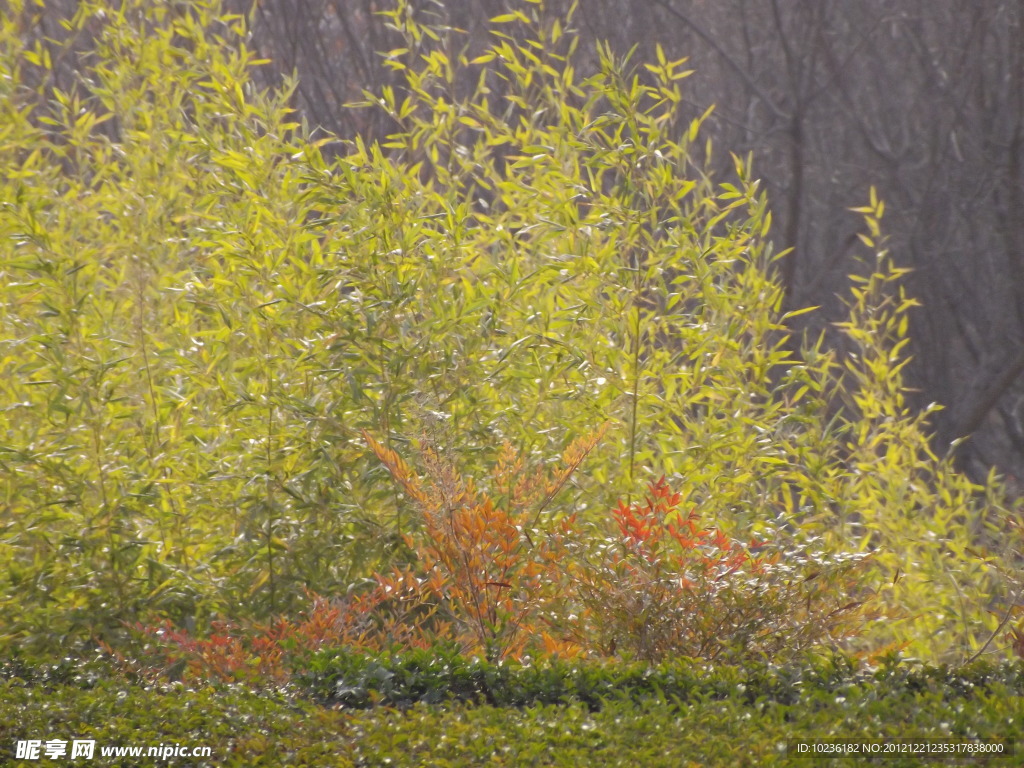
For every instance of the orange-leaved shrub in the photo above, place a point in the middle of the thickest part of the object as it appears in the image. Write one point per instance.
(488, 561)
(389, 615)
(662, 584)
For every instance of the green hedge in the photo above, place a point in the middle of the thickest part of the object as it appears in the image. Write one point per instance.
(672, 714)
(360, 680)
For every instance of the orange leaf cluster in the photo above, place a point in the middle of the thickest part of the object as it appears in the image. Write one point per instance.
(485, 561)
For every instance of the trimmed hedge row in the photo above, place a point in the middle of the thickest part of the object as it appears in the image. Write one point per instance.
(673, 714)
(357, 680)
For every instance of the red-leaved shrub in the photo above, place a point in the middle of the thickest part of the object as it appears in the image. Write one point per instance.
(662, 584)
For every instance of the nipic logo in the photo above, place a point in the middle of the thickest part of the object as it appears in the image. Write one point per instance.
(51, 749)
